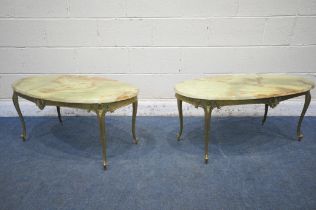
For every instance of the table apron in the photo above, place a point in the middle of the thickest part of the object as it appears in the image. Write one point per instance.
(108, 107)
(271, 101)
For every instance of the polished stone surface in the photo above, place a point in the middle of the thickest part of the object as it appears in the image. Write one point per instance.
(243, 87)
(75, 89)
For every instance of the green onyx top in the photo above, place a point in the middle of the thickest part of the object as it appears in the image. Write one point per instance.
(243, 87)
(75, 89)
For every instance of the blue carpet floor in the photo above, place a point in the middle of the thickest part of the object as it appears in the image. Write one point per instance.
(250, 166)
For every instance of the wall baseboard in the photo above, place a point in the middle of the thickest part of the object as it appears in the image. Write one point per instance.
(164, 107)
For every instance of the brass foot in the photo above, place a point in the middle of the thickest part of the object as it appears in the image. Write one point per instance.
(178, 136)
(23, 137)
(135, 141)
(206, 159)
(300, 137)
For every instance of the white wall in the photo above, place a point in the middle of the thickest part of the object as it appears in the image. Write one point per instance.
(155, 43)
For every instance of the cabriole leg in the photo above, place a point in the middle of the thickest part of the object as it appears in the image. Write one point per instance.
(135, 104)
(101, 119)
(306, 104)
(179, 102)
(207, 118)
(15, 100)
(59, 115)
(265, 113)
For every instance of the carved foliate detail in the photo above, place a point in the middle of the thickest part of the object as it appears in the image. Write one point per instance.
(273, 102)
(40, 104)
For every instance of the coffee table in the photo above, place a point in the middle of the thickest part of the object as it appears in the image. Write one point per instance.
(97, 94)
(219, 91)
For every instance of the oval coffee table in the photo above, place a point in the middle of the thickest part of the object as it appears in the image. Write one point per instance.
(96, 94)
(218, 91)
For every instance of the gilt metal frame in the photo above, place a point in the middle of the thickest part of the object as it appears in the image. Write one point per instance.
(100, 110)
(209, 105)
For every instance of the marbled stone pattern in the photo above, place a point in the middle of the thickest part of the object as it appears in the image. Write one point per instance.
(243, 87)
(75, 89)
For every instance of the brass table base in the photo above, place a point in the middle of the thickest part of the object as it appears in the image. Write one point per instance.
(99, 109)
(209, 105)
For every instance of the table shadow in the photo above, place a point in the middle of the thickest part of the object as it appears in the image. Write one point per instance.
(78, 137)
(233, 136)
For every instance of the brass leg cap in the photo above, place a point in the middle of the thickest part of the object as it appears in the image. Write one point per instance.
(206, 159)
(135, 141)
(105, 165)
(178, 137)
(23, 137)
(300, 137)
